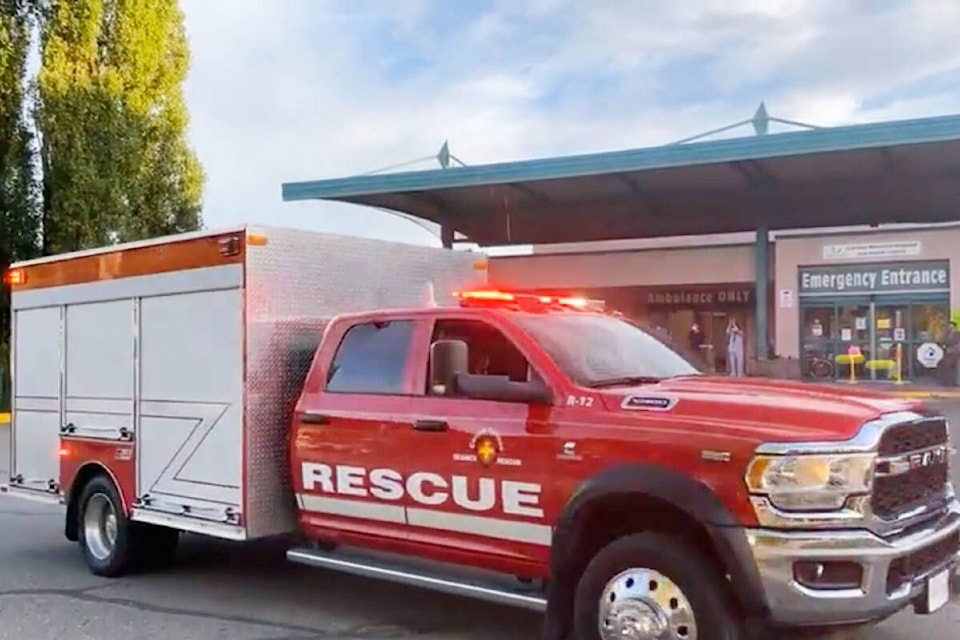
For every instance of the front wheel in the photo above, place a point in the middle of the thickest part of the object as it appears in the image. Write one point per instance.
(648, 586)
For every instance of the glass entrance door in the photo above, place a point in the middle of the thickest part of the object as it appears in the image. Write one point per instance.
(891, 332)
(887, 331)
(856, 336)
(818, 346)
(928, 323)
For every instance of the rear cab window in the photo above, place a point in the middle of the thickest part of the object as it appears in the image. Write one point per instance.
(372, 358)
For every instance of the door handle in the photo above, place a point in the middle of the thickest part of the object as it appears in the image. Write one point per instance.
(311, 417)
(430, 425)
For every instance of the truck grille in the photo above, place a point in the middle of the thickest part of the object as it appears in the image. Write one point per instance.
(925, 479)
(913, 436)
(919, 564)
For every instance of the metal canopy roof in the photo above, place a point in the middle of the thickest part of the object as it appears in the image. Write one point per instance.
(902, 171)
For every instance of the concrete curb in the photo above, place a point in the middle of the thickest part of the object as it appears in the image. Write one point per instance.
(932, 394)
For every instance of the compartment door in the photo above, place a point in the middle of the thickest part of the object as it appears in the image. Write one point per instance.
(35, 464)
(190, 453)
(99, 371)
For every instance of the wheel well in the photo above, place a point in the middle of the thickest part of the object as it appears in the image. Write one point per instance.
(610, 517)
(85, 474)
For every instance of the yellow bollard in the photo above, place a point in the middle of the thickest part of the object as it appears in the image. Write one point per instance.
(898, 378)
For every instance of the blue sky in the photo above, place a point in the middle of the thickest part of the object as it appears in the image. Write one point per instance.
(284, 90)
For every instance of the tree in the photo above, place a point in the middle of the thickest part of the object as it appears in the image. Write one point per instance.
(112, 121)
(19, 223)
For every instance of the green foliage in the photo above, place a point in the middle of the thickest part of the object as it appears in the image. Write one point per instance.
(94, 150)
(18, 213)
(110, 107)
(19, 230)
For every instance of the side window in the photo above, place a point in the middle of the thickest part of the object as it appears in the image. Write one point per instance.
(371, 358)
(490, 351)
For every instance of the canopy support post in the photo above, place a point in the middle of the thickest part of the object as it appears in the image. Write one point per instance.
(761, 263)
(446, 235)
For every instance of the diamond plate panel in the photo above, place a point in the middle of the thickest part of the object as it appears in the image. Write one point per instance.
(295, 283)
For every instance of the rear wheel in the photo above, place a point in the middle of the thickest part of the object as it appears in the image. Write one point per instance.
(648, 586)
(112, 545)
(104, 531)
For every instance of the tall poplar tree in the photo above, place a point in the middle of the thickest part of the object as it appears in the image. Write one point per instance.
(18, 204)
(112, 121)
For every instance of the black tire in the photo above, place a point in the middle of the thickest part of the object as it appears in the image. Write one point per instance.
(699, 581)
(102, 558)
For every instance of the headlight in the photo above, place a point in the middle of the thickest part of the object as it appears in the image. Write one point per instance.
(810, 482)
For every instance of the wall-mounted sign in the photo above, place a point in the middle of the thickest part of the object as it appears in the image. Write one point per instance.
(719, 296)
(892, 277)
(929, 354)
(872, 250)
(786, 298)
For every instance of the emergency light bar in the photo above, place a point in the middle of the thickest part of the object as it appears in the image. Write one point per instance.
(497, 298)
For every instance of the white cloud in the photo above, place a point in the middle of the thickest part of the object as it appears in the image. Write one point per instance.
(285, 90)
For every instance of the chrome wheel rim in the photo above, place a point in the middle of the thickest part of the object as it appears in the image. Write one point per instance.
(643, 604)
(100, 527)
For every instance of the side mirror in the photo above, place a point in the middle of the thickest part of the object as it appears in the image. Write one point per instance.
(448, 359)
(502, 389)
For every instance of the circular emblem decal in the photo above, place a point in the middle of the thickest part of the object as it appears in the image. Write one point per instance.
(487, 446)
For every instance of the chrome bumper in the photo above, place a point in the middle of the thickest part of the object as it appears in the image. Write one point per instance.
(791, 603)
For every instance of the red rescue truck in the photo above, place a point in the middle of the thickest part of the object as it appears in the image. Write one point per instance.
(519, 448)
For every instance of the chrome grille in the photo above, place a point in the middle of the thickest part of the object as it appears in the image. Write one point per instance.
(913, 470)
(913, 436)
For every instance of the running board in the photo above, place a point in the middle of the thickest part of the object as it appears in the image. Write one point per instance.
(490, 590)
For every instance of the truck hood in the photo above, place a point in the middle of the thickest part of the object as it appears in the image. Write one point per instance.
(766, 409)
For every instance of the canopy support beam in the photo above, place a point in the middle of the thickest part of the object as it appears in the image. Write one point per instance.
(762, 274)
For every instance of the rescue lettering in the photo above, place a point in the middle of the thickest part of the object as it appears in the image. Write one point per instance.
(429, 489)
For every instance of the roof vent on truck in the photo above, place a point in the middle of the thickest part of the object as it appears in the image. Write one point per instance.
(527, 301)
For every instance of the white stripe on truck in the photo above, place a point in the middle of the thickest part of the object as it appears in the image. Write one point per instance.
(501, 529)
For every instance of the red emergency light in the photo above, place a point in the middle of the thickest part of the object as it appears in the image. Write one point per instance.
(498, 298)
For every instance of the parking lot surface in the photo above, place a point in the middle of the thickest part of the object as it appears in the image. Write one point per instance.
(249, 592)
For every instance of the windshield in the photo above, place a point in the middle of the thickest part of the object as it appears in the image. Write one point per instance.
(597, 350)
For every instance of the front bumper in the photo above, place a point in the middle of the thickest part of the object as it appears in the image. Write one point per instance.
(793, 604)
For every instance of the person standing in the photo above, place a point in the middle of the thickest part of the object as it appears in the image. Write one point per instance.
(735, 349)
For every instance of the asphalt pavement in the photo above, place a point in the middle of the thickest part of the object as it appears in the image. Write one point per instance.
(249, 592)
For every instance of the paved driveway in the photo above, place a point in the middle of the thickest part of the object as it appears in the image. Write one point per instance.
(222, 590)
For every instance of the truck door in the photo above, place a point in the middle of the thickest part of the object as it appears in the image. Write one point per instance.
(36, 399)
(480, 468)
(347, 461)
